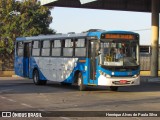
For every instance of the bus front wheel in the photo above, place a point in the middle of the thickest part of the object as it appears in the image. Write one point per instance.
(36, 79)
(113, 88)
(81, 86)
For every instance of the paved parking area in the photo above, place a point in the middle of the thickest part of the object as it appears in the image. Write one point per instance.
(18, 94)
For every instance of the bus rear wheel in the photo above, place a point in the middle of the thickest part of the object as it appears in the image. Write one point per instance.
(36, 79)
(81, 86)
(113, 88)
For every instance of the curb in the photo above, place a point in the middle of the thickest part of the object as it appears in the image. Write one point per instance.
(154, 80)
(7, 73)
(15, 76)
(149, 79)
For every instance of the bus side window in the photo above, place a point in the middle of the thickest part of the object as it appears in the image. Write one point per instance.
(20, 49)
(80, 47)
(68, 48)
(56, 48)
(36, 48)
(45, 48)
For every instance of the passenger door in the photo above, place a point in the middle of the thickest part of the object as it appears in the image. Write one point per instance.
(94, 48)
(18, 62)
(26, 59)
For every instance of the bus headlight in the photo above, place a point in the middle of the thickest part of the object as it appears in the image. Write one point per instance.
(135, 76)
(100, 72)
(104, 74)
(108, 76)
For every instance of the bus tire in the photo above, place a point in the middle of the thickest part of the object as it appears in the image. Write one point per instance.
(81, 86)
(113, 88)
(36, 79)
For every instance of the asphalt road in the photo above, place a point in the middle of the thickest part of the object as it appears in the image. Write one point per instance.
(18, 94)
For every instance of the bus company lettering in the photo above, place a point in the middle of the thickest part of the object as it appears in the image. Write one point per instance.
(27, 114)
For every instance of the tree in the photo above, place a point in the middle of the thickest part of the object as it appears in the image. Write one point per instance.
(32, 20)
(35, 19)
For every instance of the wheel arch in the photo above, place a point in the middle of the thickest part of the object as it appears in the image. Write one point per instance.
(76, 76)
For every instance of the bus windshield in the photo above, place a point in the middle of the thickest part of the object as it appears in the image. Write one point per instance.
(119, 53)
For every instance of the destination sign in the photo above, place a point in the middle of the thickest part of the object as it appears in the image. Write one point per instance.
(119, 36)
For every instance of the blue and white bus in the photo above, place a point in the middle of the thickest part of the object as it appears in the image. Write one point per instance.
(83, 59)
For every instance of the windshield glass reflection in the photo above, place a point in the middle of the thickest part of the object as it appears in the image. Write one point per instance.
(119, 53)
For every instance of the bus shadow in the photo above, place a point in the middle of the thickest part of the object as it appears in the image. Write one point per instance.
(146, 85)
(143, 87)
(27, 86)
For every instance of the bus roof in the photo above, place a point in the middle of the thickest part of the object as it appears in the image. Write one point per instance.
(84, 34)
(59, 36)
(120, 32)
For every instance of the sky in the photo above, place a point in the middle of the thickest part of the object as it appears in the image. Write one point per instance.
(77, 20)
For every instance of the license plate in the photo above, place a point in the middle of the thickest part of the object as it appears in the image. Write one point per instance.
(123, 81)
